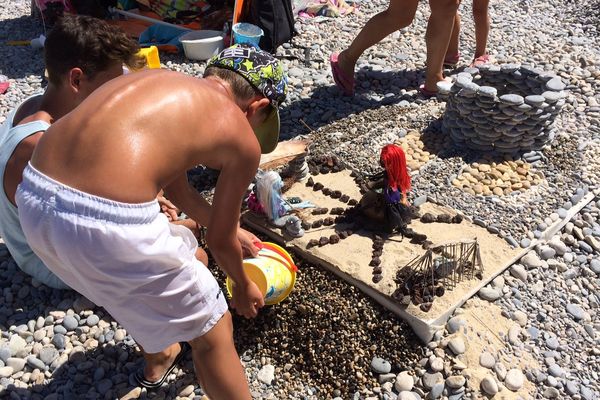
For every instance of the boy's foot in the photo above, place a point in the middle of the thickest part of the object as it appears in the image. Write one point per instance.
(451, 61)
(481, 60)
(140, 378)
(344, 79)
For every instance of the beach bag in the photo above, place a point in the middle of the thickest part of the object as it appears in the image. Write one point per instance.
(275, 18)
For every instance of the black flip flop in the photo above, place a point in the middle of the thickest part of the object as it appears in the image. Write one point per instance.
(143, 382)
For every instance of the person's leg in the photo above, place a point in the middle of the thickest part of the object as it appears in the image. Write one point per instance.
(452, 52)
(158, 363)
(399, 14)
(437, 38)
(482, 26)
(192, 226)
(217, 364)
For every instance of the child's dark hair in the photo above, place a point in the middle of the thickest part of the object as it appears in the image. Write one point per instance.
(241, 88)
(79, 41)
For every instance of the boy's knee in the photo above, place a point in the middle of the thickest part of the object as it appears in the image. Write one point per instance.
(218, 335)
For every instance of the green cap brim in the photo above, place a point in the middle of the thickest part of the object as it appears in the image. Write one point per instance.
(268, 133)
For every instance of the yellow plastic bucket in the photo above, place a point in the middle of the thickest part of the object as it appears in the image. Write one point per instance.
(151, 56)
(273, 271)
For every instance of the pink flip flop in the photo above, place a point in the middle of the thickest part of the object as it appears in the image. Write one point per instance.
(4, 87)
(481, 60)
(451, 61)
(427, 93)
(344, 82)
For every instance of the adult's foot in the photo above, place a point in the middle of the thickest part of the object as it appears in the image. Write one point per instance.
(451, 60)
(157, 364)
(343, 73)
(481, 60)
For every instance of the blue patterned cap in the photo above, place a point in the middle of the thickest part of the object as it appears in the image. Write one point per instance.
(265, 73)
(258, 67)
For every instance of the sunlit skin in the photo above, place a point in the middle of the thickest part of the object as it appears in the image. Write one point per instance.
(140, 133)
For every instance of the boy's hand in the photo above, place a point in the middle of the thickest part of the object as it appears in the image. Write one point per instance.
(167, 208)
(250, 243)
(247, 299)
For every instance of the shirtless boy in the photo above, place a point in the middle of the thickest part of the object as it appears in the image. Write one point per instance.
(88, 205)
(81, 53)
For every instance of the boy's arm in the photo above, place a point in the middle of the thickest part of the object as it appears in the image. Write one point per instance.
(222, 237)
(189, 200)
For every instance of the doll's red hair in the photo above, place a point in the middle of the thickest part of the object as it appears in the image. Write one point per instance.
(394, 162)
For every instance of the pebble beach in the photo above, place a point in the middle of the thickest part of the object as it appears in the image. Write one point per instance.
(532, 333)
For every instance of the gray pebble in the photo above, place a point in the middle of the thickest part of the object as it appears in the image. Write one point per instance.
(70, 323)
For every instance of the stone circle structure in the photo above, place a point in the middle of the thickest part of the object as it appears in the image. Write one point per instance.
(506, 108)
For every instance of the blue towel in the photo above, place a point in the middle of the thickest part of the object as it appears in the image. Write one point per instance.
(158, 34)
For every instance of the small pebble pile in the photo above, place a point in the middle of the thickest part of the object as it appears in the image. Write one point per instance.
(502, 108)
(500, 178)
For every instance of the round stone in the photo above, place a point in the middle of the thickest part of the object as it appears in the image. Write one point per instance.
(576, 311)
(436, 391)
(487, 91)
(535, 100)
(518, 271)
(552, 343)
(487, 360)
(48, 354)
(453, 325)
(555, 84)
(512, 99)
(70, 323)
(514, 379)
(457, 345)
(489, 385)
(404, 396)
(5, 353)
(266, 374)
(437, 364)
(6, 372)
(556, 371)
(92, 320)
(489, 294)
(430, 380)
(17, 364)
(456, 381)
(404, 382)
(380, 366)
(104, 386)
(552, 97)
(35, 362)
(59, 341)
(520, 318)
(551, 393)
(120, 335)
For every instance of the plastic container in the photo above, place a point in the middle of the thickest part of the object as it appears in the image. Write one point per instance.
(151, 56)
(202, 45)
(244, 32)
(273, 271)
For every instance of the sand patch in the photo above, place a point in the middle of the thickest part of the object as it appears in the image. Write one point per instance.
(485, 330)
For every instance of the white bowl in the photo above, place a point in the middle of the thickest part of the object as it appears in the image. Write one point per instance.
(202, 45)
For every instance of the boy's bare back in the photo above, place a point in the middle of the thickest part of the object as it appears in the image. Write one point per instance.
(140, 132)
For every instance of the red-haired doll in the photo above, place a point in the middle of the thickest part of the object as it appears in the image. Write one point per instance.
(390, 207)
(395, 178)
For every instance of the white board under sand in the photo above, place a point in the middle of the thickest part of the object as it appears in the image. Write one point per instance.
(350, 258)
